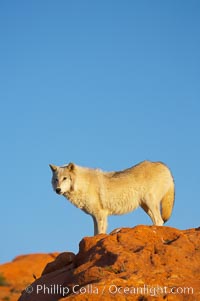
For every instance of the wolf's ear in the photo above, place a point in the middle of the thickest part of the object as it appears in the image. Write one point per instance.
(53, 167)
(71, 166)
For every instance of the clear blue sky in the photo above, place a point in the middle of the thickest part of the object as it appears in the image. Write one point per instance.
(103, 84)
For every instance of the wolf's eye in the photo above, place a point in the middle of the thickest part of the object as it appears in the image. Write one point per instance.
(64, 178)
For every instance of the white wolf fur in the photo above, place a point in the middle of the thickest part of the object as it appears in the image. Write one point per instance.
(100, 194)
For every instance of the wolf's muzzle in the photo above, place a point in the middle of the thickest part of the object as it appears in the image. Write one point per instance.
(58, 190)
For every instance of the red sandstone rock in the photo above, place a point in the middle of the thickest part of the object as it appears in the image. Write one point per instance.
(61, 261)
(20, 272)
(143, 263)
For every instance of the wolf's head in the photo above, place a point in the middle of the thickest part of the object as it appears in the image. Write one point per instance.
(62, 179)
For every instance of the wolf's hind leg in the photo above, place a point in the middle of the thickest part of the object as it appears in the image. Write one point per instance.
(146, 209)
(153, 210)
(156, 216)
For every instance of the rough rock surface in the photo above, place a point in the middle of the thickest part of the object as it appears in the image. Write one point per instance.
(19, 273)
(142, 263)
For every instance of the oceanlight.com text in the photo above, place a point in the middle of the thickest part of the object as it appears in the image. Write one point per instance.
(149, 290)
(111, 289)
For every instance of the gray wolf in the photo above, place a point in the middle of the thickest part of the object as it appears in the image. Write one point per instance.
(100, 194)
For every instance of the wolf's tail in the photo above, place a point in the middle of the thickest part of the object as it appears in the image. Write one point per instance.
(167, 203)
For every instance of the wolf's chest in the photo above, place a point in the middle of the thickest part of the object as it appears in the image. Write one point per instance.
(78, 199)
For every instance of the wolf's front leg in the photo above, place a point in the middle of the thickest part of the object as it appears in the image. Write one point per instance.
(95, 225)
(100, 222)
